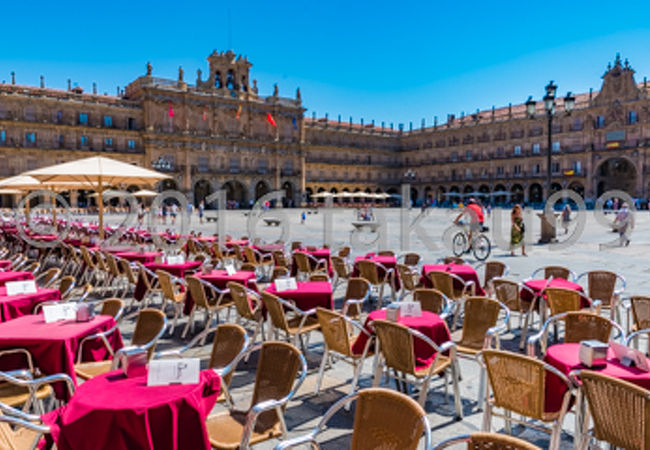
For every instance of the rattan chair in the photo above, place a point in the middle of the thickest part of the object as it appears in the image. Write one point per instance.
(639, 306)
(493, 269)
(230, 342)
(342, 270)
(601, 285)
(149, 327)
(410, 259)
(578, 326)
(248, 305)
(446, 283)
(620, 412)
(554, 272)
(293, 325)
(518, 384)
(279, 272)
(263, 263)
(281, 259)
(174, 292)
(113, 307)
(66, 286)
(396, 349)
(434, 301)
(357, 292)
(383, 419)
(212, 304)
(509, 293)
(19, 430)
(48, 278)
(372, 272)
(306, 264)
(275, 385)
(409, 278)
(150, 282)
(487, 441)
(561, 300)
(338, 339)
(319, 277)
(452, 260)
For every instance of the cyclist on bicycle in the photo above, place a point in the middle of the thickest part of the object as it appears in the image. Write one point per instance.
(476, 219)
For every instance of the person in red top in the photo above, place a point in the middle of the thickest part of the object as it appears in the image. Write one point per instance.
(476, 218)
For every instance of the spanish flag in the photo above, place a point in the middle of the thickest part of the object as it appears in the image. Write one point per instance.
(270, 120)
(569, 172)
(238, 114)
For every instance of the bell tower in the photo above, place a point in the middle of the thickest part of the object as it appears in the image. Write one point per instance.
(229, 74)
(618, 84)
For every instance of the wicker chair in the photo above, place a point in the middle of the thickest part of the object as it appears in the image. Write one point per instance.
(249, 307)
(336, 329)
(306, 264)
(342, 270)
(149, 327)
(578, 326)
(554, 272)
(295, 324)
(217, 301)
(561, 300)
(19, 430)
(280, 259)
(371, 271)
(230, 342)
(113, 307)
(410, 259)
(279, 272)
(275, 385)
(509, 293)
(640, 308)
(174, 292)
(130, 276)
(493, 269)
(601, 285)
(264, 263)
(519, 383)
(383, 419)
(357, 293)
(343, 252)
(119, 281)
(452, 260)
(409, 278)
(150, 282)
(66, 286)
(319, 276)
(434, 301)
(445, 282)
(620, 412)
(487, 441)
(397, 352)
(48, 278)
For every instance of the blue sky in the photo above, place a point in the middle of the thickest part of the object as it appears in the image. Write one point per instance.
(387, 61)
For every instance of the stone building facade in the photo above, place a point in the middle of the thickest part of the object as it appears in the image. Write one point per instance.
(220, 133)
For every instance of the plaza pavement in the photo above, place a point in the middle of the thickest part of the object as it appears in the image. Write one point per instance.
(305, 410)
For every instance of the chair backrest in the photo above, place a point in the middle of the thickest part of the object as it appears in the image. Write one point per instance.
(493, 269)
(640, 306)
(385, 418)
(143, 275)
(113, 267)
(275, 310)
(481, 314)
(229, 341)
(147, 327)
(112, 307)
(407, 277)
(357, 289)
(197, 291)
(561, 300)
(277, 368)
(250, 256)
(620, 410)
(33, 267)
(556, 272)
(247, 267)
(88, 259)
(335, 330)
(517, 381)
(66, 285)
(601, 285)
(50, 276)
(319, 276)
(582, 326)
(279, 272)
(369, 271)
(295, 245)
(411, 259)
(279, 259)
(344, 252)
(166, 285)
(340, 267)
(240, 299)
(443, 282)
(396, 345)
(126, 269)
(431, 300)
(386, 253)
(507, 292)
(236, 251)
(302, 262)
(453, 260)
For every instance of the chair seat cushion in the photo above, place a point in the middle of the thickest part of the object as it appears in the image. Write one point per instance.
(88, 370)
(225, 429)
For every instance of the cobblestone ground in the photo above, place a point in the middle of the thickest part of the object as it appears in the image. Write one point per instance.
(305, 410)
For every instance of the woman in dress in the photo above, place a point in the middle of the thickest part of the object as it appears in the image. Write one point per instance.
(517, 231)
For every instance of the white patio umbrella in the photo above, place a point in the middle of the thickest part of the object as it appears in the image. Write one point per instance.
(323, 195)
(145, 193)
(98, 172)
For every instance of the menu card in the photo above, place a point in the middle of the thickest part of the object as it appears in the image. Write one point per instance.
(285, 284)
(630, 356)
(175, 259)
(55, 313)
(230, 269)
(20, 287)
(413, 309)
(163, 372)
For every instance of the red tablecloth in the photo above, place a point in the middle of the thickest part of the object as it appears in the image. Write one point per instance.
(14, 276)
(54, 345)
(23, 304)
(4, 263)
(564, 357)
(538, 285)
(321, 253)
(268, 248)
(220, 279)
(144, 258)
(389, 262)
(429, 324)
(309, 294)
(464, 271)
(240, 242)
(114, 412)
(177, 270)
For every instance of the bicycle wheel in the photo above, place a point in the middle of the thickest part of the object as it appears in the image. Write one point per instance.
(459, 244)
(481, 247)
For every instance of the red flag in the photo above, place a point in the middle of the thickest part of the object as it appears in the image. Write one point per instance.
(205, 113)
(171, 110)
(238, 114)
(270, 120)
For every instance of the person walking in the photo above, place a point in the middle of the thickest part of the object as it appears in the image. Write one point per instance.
(303, 216)
(566, 218)
(624, 220)
(201, 209)
(517, 230)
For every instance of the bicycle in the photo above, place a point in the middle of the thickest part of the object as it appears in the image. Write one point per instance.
(480, 245)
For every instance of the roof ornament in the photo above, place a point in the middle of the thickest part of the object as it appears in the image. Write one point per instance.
(149, 69)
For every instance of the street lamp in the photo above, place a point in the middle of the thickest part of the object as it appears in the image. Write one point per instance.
(549, 107)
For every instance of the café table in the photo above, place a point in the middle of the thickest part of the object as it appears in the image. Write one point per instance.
(54, 346)
(14, 306)
(319, 254)
(387, 261)
(464, 271)
(178, 270)
(308, 295)
(143, 257)
(220, 279)
(114, 412)
(429, 324)
(14, 276)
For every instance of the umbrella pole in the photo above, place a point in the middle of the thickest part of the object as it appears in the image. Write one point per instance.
(100, 204)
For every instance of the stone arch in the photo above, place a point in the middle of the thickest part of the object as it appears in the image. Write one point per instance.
(414, 196)
(235, 194)
(261, 188)
(619, 173)
(428, 195)
(308, 193)
(517, 191)
(535, 193)
(440, 194)
(454, 198)
(335, 191)
(202, 189)
(578, 188)
(555, 187)
(500, 199)
(168, 184)
(289, 194)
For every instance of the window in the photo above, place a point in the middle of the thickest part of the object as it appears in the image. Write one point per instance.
(83, 118)
(555, 167)
(536, 169)
(500, 170)
(517, 150)
(556, 146)
(83, 141)
(577, 167)
(131, 144)
(30, 138)
(108, 121)
(468, 155)
(468, 173)
(3, 136)
(632, 117)
(59, 117)
(516, 169)
(577, 124)
(234, 165)
(535, 149)
(203, 162)
(500, 152)
(61, 141)
(130, 123)
(30, 115)
(454, 157)
(262, 166)
(108, 142)
(600, 122)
